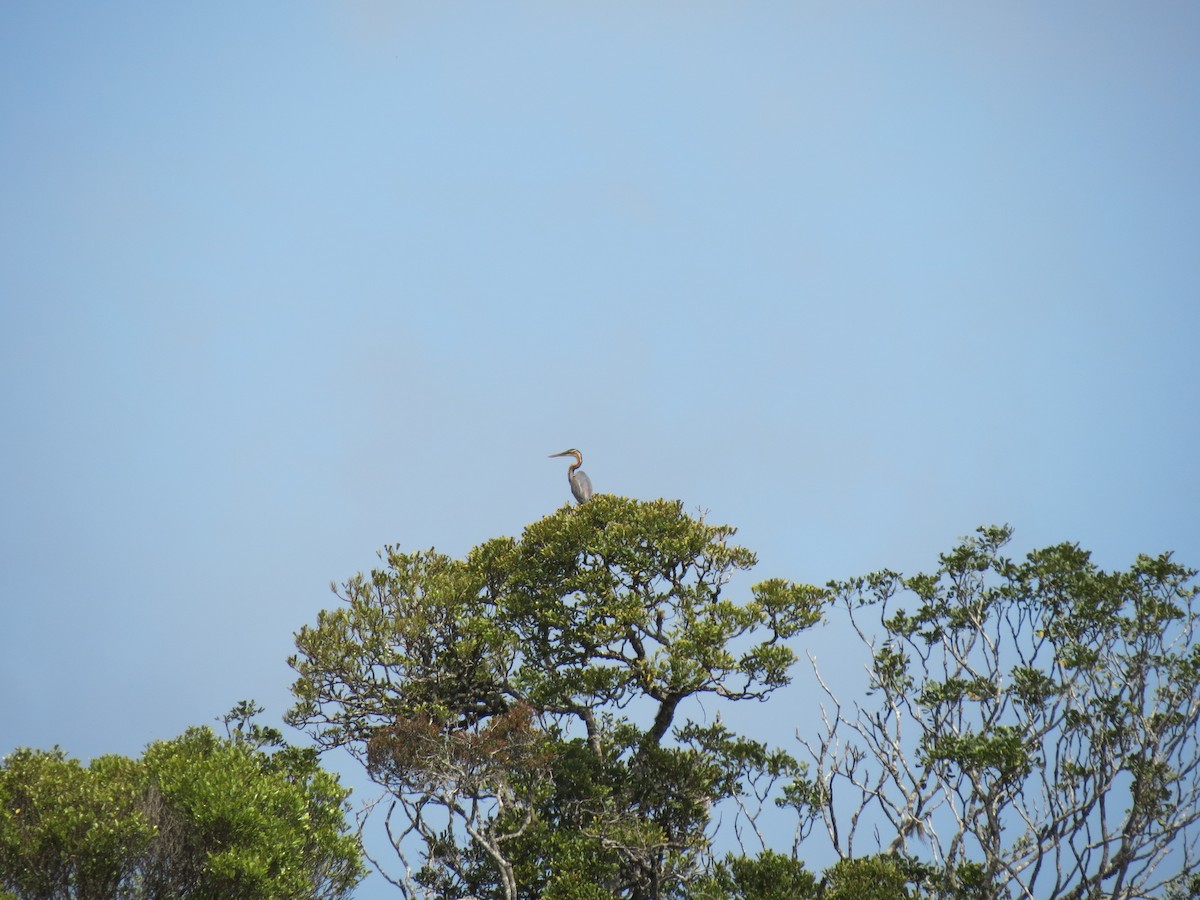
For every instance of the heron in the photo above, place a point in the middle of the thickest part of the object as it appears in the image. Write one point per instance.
(581, 485)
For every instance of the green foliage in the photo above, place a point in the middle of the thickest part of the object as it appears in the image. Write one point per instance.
(601, 622)
(1034, 723)
(769, 876)
(773, 876)
(1032, 727)
(1003, 750)
(197, 816)
(67, 830)
(1185, 887)
(883, 877)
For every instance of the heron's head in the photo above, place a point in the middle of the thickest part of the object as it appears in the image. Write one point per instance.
(572, 452)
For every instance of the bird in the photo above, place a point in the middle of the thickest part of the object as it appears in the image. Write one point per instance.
(581, 485)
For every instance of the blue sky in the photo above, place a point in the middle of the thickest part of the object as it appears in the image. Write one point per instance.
(283, 282)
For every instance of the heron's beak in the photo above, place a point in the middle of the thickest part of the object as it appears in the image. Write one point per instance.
(564, 453)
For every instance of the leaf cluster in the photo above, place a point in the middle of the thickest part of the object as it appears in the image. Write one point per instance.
(197, 816)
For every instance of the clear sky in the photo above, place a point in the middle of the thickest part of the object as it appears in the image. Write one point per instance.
(283, 282)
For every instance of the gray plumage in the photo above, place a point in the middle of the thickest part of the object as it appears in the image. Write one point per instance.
(581, 485)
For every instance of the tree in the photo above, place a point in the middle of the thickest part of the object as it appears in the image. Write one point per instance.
(1031, 728)
(769, 876)
(64, 828)
(528, 709)
(197, 816)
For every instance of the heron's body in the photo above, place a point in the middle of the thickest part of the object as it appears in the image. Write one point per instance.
(581, 485)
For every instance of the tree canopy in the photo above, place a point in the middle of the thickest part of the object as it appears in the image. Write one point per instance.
(543, 720)
(530, 709)
(198, 816)
(533, 714)
(1030, 729)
